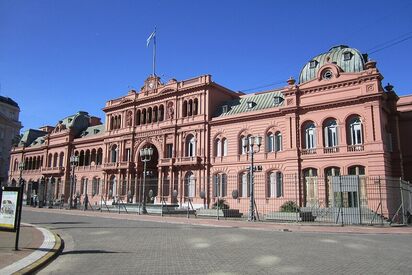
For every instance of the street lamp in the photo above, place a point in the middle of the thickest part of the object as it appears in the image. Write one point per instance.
(74, 161)
(21, 168)
(145, 156)
(248, 144)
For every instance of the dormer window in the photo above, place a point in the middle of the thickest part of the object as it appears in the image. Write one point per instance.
(347, 56)
(250, 105)
(70, 120)
(277, 100)
(313, 64)
(96, 131)
(225, 108)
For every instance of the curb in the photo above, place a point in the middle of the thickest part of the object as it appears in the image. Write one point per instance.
(43, 261)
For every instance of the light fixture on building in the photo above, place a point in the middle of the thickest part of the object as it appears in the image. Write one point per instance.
(145, 156)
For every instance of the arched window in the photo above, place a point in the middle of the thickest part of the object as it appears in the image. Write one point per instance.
(138, 117)
(16, 164)
(330, 133)
(330, 172)
(311, 187)
(61, 160)
(55, 157)
(34, 163)
(99, 156)
(30, 163)
(144, 116)
(275, 185)
(357, 170)
(87, 158)
(310, 136)
(270, 138)
(161, 113)
(113, 153)
(218, 147)
(119, 122)
(81, 158)
(184, 109)
(190, 185)
(149, 115)
(224, 141)
(111, 123)
(243, 150)
(244, 185)
(190, 146)
(220, 185)
(26, 162)
(195, 106)
(355, 131)
(93, 157)
(190, 108)
(155, 114)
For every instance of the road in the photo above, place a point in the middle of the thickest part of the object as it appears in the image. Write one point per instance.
(96, 245)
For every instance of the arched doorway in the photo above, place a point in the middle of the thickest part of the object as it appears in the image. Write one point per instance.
(148, 188)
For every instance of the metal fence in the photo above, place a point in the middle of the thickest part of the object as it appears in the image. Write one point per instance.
(341, 200)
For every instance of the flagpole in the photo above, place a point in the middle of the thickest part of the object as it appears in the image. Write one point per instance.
(154, 53)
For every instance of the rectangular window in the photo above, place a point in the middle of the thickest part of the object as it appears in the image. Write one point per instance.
(169, 150)
(127, 155)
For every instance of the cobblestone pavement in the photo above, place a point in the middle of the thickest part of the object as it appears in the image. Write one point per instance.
(96, 245)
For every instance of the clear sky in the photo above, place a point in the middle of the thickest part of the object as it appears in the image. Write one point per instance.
(59, 57)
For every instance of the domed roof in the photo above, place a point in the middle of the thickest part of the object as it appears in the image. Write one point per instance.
(348, 59)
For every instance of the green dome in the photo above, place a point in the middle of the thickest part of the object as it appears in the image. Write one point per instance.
(348, 59)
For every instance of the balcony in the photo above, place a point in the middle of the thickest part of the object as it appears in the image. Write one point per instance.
(117, 165)
(311, 151)
(355, 148)
(166, 162)
(330, 150)
(89, 168)
(189, 160)
(52, 170)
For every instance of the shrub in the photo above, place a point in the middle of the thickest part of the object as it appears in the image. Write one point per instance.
(220, 204)
(289, 206)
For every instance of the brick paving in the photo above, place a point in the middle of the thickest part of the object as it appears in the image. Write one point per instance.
(111, 243)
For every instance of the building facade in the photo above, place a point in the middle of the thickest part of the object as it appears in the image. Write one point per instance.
(336, 120)
(9, 130)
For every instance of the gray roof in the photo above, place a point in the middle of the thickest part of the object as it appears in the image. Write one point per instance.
(335, 54)
(259, 102)
(93, 131)
(30, 136)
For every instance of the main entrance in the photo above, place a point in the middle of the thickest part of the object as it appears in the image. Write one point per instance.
(148, 188)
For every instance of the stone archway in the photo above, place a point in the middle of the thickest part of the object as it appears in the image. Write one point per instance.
(148, 187)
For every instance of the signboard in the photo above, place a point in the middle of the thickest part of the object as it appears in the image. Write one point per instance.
(9, 208)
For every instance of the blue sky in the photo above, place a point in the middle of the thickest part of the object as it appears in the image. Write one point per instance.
(58, 57)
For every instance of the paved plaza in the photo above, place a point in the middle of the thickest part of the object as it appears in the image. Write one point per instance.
(103, 243)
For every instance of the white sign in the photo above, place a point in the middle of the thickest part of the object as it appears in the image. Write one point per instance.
(8, 210)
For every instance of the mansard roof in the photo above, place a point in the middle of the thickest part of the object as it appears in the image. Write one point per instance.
(30, 136)
(93, 131)
(348, 59)
(250, 102)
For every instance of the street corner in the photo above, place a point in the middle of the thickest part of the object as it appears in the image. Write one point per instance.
(43, 253)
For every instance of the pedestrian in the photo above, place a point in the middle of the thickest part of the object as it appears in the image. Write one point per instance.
(85, 201)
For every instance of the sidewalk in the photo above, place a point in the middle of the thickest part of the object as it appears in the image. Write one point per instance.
(37, 246)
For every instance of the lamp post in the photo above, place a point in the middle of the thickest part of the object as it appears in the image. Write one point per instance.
(145, 156)
(21, 168)
(248, 144)
(74, 161)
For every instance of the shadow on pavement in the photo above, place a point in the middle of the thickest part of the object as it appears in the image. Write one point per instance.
(92, 251)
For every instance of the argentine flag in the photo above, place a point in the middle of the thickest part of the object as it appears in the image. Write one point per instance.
(152, 36)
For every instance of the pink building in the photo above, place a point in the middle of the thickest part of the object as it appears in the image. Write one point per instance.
(337, 120)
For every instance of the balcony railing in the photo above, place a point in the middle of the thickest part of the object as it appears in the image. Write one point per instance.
(166, 161)
(311, 151)
(355, 148)
(330, 150)
(117, 165)
(188, 160)
(89, 168)
(52, 170)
